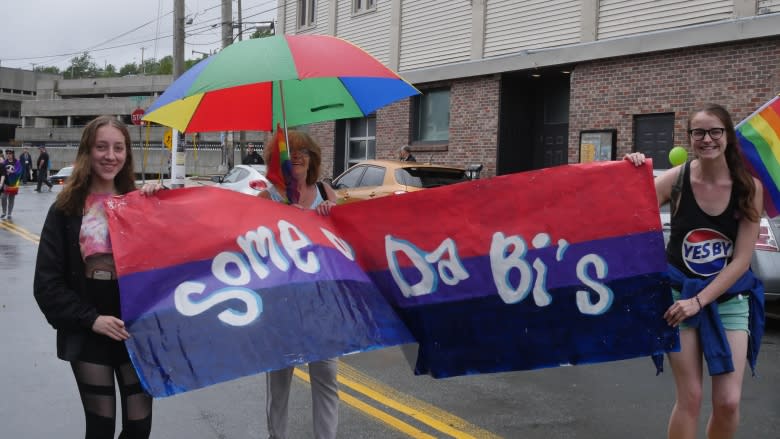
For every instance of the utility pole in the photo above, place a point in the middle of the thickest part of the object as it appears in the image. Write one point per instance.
(143, 66)
(227, 39)
(241, 134)
(178, 148)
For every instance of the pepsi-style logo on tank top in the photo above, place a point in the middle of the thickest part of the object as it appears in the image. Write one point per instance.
(706, 252)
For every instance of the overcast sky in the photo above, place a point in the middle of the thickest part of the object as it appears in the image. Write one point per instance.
(52, 32)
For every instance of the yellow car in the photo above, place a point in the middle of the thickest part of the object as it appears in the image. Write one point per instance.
(379, 178)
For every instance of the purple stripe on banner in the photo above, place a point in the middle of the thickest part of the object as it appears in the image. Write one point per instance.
(153, 290)
(299, 323)
(547, 269)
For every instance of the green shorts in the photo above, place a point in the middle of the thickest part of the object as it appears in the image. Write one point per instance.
(733, 312)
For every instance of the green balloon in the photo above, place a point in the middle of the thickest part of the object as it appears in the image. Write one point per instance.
(678, 155)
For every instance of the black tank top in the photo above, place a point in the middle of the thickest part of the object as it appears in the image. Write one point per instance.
(700, 245)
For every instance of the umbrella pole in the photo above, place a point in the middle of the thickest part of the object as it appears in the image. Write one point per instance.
(284, 115)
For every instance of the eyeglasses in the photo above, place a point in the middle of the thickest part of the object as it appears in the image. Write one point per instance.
(301, 152)
(699, 133)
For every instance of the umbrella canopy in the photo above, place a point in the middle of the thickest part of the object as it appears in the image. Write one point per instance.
(320, 78)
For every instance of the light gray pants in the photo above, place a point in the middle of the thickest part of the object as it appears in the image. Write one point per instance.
(324, 399)
(7, 202)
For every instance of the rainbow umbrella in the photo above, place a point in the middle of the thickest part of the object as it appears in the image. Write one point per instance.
(287, 79)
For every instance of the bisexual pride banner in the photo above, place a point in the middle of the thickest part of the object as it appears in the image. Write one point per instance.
(539, 269)
(216, 285)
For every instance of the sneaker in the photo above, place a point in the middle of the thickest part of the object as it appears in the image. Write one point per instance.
(2, 216)
(37, 190)
(8, 217)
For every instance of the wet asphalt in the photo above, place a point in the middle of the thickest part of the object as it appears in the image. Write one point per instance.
(614, 400)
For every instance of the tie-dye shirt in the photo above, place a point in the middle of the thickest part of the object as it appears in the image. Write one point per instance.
(94, 238)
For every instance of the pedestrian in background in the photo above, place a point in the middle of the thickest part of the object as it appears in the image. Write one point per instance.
(718, 302)
(405, 154)
(76, 286)
(306, 158)
(252, 157)
(43, 169)
(13, 179)
(27, 166)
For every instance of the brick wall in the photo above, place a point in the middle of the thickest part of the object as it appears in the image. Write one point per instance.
(474, 104)
(608, 93)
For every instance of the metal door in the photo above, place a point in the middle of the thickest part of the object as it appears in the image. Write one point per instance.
(654, 136)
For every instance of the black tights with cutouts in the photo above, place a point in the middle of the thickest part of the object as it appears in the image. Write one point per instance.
(98, 396)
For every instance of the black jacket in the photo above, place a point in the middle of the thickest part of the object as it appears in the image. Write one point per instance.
(59, 285)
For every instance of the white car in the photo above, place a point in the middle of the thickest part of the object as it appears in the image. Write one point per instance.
(247, 179)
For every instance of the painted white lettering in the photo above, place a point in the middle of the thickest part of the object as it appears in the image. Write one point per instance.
(262, 243)
(428, 279)
(340, 244)
(189, 307)
(451, 270)
(502, 264)
(294, 244)
(605, 294)
(219, 267)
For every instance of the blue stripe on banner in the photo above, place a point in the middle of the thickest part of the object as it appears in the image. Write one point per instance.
(153, 290)
(298, 324)
(370, 94)
(751, 153)
(487, 335)
(622, 257)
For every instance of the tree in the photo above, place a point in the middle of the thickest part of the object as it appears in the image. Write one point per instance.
(128, 69)
(48, 69)
(165, 66)
(81, 67)
(109, 71)
(261, 33)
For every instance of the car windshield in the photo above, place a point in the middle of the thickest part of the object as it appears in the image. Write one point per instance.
(66, 171)
(424, 177)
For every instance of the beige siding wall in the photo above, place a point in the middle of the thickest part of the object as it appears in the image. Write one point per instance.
(512, 26)
(768, 6)
(369, 30)
(291, 19)
(627, 17)
(434, 32)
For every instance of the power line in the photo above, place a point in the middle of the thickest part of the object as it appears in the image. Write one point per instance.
(206, 27)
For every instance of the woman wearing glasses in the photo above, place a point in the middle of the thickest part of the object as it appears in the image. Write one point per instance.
(306, 159)
(714, 227)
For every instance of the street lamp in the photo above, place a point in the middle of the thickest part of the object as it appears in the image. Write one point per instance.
(201, 53)
(260, 26)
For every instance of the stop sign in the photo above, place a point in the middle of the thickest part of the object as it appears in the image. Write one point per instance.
(136, 116)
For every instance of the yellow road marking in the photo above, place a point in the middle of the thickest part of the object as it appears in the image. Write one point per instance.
(416, 409)
(372, 411)
(13, 228)
(359, 382)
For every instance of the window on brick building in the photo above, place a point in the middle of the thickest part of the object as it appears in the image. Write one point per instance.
(361, 140)
(307, 13)
(359, 6)
(432, 116)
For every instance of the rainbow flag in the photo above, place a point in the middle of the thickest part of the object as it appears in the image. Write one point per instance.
(279, 170)
(759, 136)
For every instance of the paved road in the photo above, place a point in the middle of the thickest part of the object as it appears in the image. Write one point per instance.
(381, 397)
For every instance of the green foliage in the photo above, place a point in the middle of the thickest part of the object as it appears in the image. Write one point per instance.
(261, 34)
(82, 66)
(48, 69)
(129, 69)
